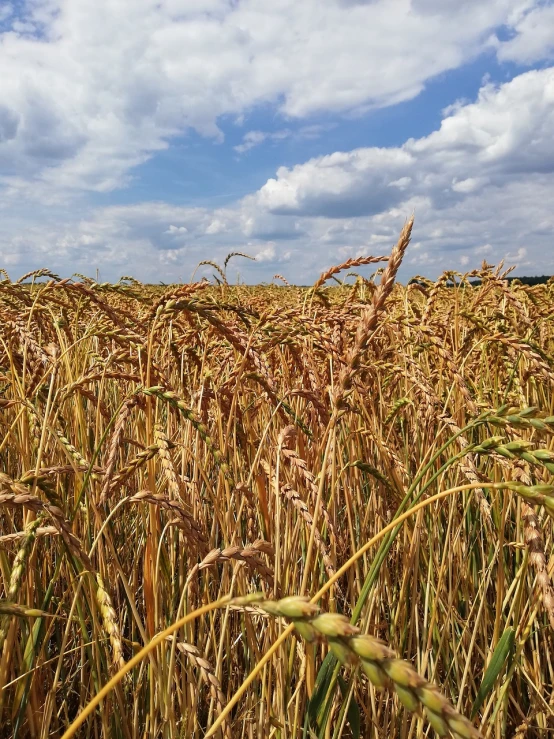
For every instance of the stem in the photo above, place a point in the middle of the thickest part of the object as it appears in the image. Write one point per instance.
(139, 656)
(339, 573)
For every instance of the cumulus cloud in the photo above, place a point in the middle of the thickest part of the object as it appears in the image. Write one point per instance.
(340, 184)
(91, 89)
(251, 139)
(5, 11)
(480, 184)
(505, 134)
(176, 230)
(533, 35)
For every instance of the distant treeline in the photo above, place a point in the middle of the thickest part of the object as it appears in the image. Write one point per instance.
(542, 280)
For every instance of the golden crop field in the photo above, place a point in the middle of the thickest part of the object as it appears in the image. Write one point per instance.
(276, 511)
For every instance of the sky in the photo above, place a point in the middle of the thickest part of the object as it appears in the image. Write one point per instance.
(140, 138)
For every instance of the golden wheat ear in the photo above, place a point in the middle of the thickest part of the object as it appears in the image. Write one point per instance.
(174, 459)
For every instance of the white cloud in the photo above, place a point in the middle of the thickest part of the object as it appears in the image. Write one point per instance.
(402, 183)
(519, 257)
(5, 11)
(90, 89)
(496, 223)
(174, 230)
(215, 227)
(343, 183)
(267, 254)
(471, 184)
(506, 134)
(485, 249)
(255, 138)
(483, 178)
(533, 38)
(272, 253)
(252, 139)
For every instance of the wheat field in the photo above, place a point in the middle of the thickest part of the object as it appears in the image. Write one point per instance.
(277, 511)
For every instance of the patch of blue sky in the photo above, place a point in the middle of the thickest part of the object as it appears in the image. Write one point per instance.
(26, 18)
(202, 171)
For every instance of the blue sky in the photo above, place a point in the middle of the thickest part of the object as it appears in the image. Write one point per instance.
(143, 138)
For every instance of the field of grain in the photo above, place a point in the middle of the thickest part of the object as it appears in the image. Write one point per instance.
(189, 472)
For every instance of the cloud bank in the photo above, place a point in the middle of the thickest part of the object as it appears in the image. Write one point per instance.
(90, 90)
